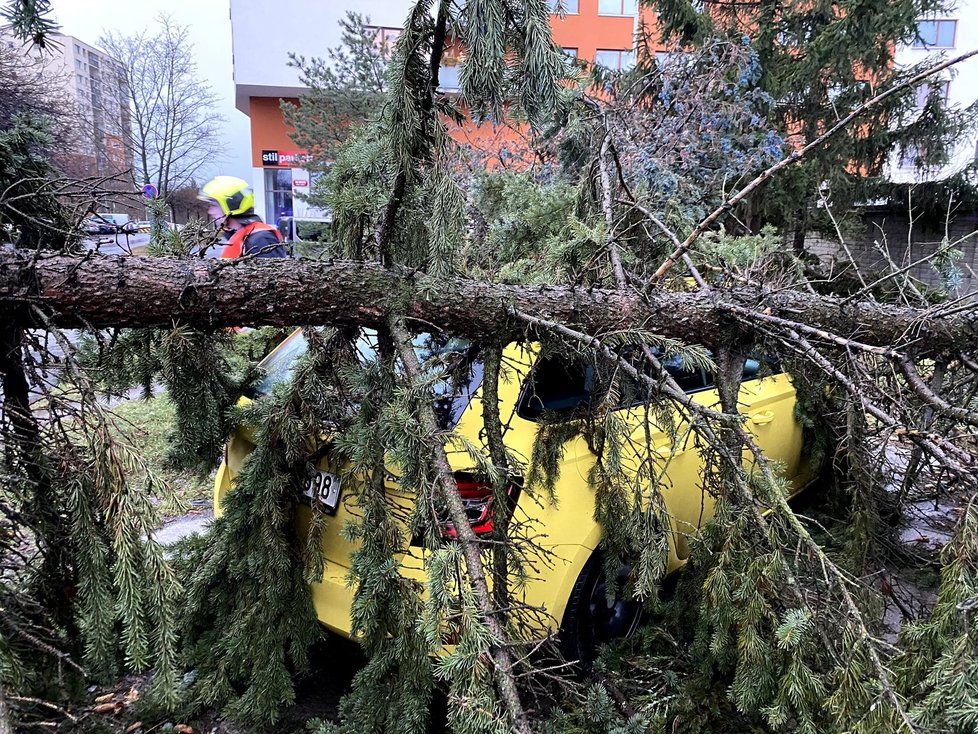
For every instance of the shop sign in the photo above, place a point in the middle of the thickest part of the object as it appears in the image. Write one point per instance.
(283, 158)
(299, 183)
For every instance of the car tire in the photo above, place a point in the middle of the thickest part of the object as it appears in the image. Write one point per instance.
(589, 621)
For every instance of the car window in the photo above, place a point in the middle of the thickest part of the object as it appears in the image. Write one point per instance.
(690, 380)
(450, 363)
(557, 385)
(277, 366)
(566, 387)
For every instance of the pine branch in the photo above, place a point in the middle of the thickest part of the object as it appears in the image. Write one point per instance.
(467, 539)
(835, 576)
(386, 228)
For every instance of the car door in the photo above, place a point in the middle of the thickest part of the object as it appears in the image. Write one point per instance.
(674, 454)
(667, 454)
(769, 404)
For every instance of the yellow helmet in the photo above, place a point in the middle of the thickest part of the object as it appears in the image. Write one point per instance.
(232, 194)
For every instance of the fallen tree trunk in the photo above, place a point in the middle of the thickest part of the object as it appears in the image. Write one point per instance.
(117, 291)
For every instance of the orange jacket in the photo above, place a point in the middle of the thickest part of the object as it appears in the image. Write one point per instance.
(235, 245)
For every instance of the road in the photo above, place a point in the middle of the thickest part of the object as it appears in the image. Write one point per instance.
(122, 244)
(194, 522)
(132, 244)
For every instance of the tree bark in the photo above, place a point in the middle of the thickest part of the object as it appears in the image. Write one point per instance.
(109, 290)
(5, 722)
(492, 426)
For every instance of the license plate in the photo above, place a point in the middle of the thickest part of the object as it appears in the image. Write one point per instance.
(323, 489)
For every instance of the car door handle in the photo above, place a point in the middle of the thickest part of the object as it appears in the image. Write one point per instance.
(762, 418)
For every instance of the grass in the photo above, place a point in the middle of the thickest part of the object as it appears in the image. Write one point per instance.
(147, 425)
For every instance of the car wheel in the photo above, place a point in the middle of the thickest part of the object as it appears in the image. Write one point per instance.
(589, 620)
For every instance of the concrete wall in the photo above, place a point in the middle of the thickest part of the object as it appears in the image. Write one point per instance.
(263, 34)
(892, 233)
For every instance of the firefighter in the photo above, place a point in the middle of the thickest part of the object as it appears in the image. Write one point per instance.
(231, 206)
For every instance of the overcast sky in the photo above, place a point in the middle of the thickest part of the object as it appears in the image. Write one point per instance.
(210, 30)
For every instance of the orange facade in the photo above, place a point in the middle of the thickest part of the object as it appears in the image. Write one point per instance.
(588, 32)
(268, 128)
(583, 34)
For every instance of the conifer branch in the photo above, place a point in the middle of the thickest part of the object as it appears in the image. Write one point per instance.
(467, 539)
(729, 416)
(401, 177)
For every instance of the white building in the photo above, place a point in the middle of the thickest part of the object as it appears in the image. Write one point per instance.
(261, 44)
(942, 37)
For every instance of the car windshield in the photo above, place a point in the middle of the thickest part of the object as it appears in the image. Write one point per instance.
(449, 364)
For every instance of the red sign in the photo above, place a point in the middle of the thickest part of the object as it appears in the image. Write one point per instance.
(299, 183)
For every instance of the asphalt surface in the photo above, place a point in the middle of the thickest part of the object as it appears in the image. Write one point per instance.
(195, 523)
(121, 244)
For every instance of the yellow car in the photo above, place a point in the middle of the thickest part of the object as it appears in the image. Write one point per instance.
(570, 588)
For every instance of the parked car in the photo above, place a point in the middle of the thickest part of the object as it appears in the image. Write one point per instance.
(108, 223)
(95, 225)
(570, 587)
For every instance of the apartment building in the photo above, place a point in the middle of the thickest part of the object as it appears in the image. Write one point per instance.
(905, 231)
(944, 36)
(93, 87)
(601, 31)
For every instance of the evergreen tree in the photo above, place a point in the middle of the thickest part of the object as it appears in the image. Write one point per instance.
(248, 619)
(815, 60)
(346, 90)
(770, 628)
(87, 592)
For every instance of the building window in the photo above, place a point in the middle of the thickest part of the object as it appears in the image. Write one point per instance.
(385, 38)
(564, 7)
(615, 59)
(618, 7)
(936, 34)
(449, 78)
(78, 49)
(910, 157)
(665, 58)
(278, 194)
(570, 53)
(924, 92)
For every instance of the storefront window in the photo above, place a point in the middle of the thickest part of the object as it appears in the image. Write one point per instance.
(278, 194)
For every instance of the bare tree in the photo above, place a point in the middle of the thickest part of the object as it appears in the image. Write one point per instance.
(175, 126)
